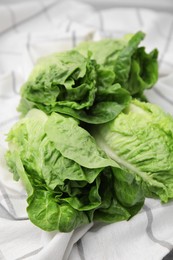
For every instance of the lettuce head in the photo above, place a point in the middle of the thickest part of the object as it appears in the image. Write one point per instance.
(67, 83)
(140, 139)
(68, 178)
(131, 66)
(93, 82)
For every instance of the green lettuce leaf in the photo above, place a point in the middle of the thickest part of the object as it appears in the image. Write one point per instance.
(130, 66)
(140, 139)
(44, 211)
(67, 83)
(68, 178)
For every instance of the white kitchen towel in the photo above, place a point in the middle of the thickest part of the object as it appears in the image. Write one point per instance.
(29, 30)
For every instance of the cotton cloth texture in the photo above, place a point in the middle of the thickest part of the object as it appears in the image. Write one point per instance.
(29, 30)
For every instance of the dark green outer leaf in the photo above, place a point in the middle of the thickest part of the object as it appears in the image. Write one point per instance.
(46, 213)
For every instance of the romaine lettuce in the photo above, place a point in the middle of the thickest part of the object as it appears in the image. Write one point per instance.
(86, 150)
(140, 139)
(67, 83)
(68, 178)
(133, 68)
(93, 82)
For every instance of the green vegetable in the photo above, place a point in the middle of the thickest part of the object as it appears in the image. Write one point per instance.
(68, 83)
(69, 180)
(93, 82)
(140, 139)
(131, 66)
(87, 150)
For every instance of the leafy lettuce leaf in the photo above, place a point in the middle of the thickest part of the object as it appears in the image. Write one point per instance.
(130, 65)
(140, 139)
(93, 82)
(68, 178)
(67, 83)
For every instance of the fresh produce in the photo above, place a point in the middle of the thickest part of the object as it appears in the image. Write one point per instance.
(93, 82)
(130, 65)
(67, 83)
(140, 139)
(68, 179)
(88, 147)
